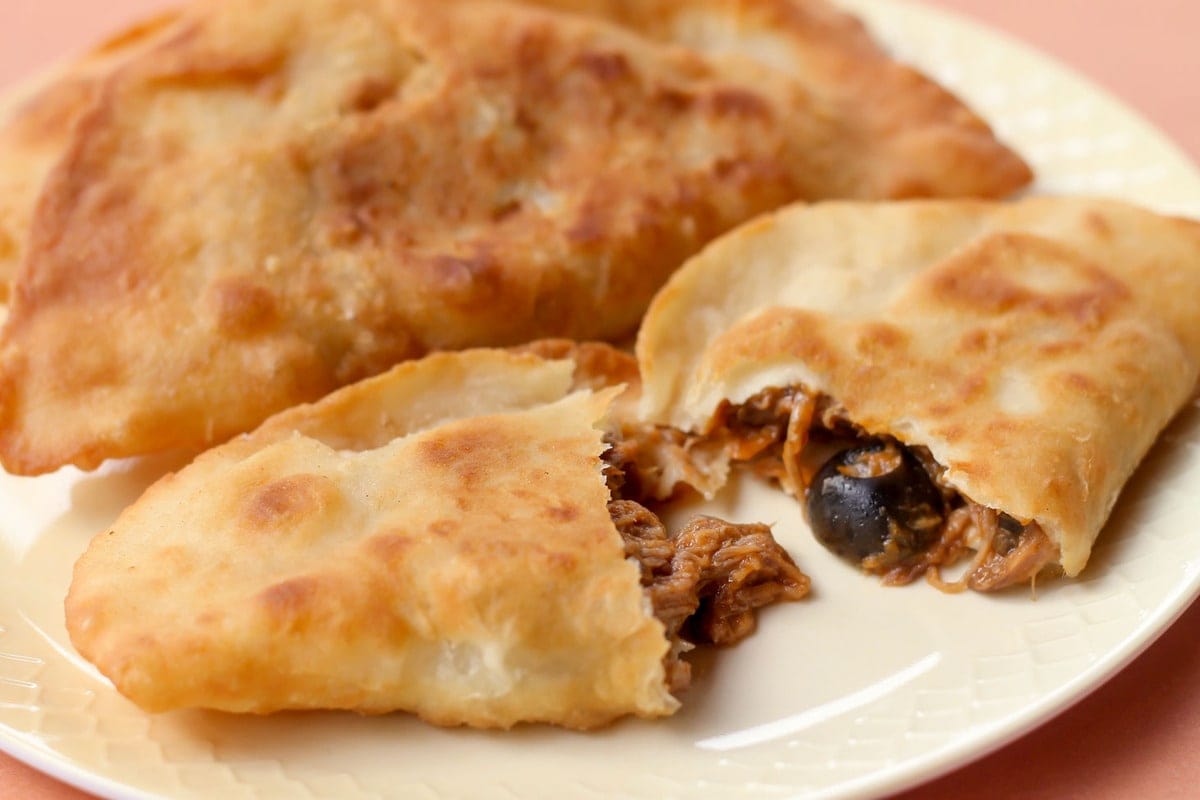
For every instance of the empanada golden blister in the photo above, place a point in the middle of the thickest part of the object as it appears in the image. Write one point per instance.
(263, 201)
(1028, 354)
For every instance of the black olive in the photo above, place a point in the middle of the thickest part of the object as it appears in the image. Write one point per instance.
(875, 503)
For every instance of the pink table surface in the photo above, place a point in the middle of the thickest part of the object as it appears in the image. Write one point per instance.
(1139, 734)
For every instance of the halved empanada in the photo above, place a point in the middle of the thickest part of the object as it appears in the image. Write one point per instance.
(995, 371)
(440, 539)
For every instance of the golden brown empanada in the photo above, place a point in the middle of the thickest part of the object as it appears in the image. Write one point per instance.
(440, 539)
(279, 198)
(1015, 360)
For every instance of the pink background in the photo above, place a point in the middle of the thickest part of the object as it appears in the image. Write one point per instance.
(1137, 736)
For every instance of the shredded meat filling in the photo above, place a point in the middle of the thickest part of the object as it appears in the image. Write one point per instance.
(760, 424)
(766, 434)
(706, 583)
(723, 572)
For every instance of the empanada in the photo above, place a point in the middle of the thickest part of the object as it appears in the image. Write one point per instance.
(996, 371)
(278, 198)
(440, 539)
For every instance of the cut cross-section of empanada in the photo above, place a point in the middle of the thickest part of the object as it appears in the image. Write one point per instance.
(937, 378)
(271, 199)
(440, 539)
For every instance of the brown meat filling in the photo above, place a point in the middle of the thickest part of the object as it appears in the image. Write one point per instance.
(706, 582)
(777, 433)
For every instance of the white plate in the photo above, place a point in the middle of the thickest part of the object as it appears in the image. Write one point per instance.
(858, 691)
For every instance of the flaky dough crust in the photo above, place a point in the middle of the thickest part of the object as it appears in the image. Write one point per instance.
(37, 118)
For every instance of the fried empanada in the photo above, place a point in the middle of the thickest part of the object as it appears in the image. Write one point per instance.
(937, 378)
(445, 538)
(279, 198)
